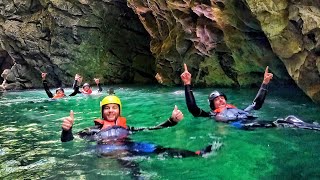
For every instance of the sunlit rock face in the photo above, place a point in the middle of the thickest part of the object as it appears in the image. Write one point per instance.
(221, 41)
(293, 30)
(101, 39)
(230, 42)
(224, 42)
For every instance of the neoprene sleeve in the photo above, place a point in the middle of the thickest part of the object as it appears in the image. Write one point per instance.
(167, 123)
(66, 135)
(260, 97)
(86, 133)
(75, 87)
(46, 88)
(99, 88)
(192, 105)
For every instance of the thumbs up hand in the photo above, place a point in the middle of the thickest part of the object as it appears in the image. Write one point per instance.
(68, 121)
(176, 114)
(186, 76)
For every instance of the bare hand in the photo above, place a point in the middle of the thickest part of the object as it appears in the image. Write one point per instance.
(159, 78)
(96, 80)
(267, 76)
(68, 121)
(176, 114)
(43, 75)
(186, 76)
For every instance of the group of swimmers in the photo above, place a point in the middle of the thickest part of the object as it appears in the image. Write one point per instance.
(86, 88)
(111, 132)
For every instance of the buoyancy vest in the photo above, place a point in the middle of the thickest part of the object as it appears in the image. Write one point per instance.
(89, 91)
(231, 113)
(121, 121)
(219, 110)
(57, 96)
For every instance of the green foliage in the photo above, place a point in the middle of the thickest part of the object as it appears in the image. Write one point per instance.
(90, 58)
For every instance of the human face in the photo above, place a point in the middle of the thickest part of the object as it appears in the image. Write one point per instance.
(86, 88)
(219, 102)
(60, 92)
(111, 112)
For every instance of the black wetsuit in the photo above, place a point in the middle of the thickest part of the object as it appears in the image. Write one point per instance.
(229, 114)
(76, 88)
(239, 118)
(89, 132)
(50, 95)
(244, 119)
(115, 139)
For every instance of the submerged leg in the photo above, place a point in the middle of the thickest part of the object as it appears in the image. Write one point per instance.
(175, 152)
(294, 122)
(143, 148)
(133, 167)
(250, 125)
(207, 151)
(182, 153)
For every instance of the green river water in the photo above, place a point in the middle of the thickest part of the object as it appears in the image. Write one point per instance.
(30, 147)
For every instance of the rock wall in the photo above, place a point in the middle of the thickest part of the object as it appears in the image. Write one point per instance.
(224, 42)
(63, 37)
(293, 30)
(230, 42)
(221, 41)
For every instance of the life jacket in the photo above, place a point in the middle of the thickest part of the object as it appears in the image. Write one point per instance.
(219, 110)
(58, 96)
(89, 91)
(121, 121)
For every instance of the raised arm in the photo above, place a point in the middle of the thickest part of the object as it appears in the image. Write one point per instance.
(172, 121)
(77, 79)
(87, 133)
(75, 86)
(45, 85)
(190, 100)
(97, 81)
(262, 93)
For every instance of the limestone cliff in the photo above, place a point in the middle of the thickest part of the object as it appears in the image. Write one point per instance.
(293, 30)
(224, 42)
(229, 42)
(95, 38)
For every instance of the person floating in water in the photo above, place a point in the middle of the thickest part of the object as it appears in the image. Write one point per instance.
(111, 132)
(59, 91)
(221, 111)
(86, 88)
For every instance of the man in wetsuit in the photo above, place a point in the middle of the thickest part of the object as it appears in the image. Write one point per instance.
(242, 119)
(223, 112)
(59, 91)
(86, 89)
(111, 132)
